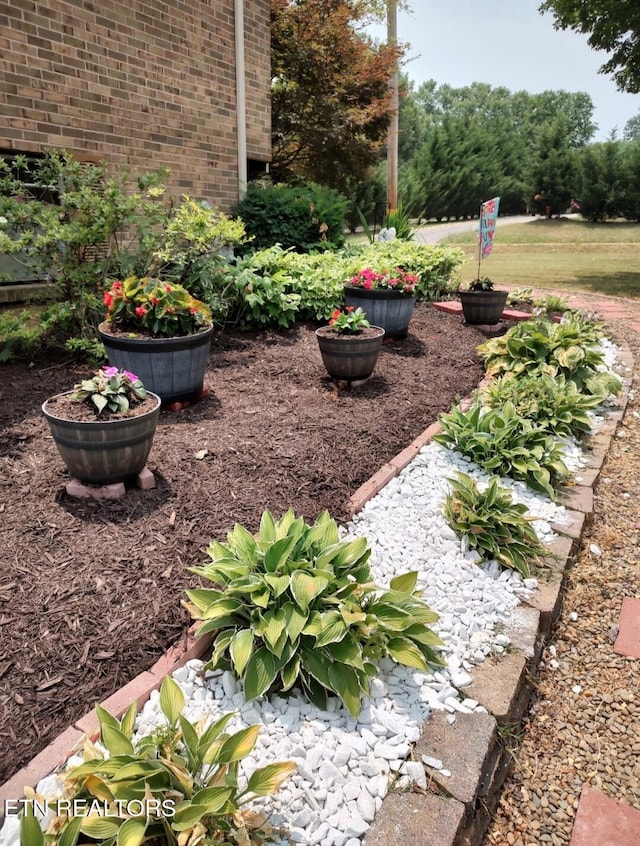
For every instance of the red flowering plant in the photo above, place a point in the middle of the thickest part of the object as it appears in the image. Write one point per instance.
(154, 307)
(349, 321)
(394, 280)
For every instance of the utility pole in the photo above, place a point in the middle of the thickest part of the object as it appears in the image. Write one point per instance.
(392, 135)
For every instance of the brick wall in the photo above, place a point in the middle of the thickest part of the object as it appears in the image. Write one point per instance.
(146, 83)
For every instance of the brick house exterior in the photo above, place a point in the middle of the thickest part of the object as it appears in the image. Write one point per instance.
(144, 83)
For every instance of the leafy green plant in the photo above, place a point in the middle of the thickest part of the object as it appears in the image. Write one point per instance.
(295, 605)
(505, 443)
(175, 787)
(154, 307)
(111, 390)
(350, 321)
(436, 265)
(305, 217)
(540, 346)
(522, 296)
(555, 404)
(493, 524)
(262, 299)
(482, 283)
(552, 304)
(398, 219)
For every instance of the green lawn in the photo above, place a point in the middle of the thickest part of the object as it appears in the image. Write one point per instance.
(598, 257)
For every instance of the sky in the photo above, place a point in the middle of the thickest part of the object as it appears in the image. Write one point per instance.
(508, 43)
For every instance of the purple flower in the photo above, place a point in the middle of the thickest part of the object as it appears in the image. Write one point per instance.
(110, 371)
(130, 376)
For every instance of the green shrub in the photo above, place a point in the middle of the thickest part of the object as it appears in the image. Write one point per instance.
(540, 346)
(295, 605)
(184, 775)
(437, 265)
(555, 404)
(493, 524)
(501, 441)
(305, 217)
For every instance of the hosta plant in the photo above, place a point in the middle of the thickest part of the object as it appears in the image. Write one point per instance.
(505, 443)
(540, 346)
(555, 404)
(493, 524)
(177, 787)
(296, 606)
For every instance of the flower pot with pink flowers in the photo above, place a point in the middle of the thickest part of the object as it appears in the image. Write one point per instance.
(159, 331)
(386, 297)
(104, 427)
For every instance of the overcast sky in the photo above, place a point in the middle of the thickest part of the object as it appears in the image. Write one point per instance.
(508, 43)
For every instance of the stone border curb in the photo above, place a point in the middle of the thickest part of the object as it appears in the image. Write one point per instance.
(452, 811)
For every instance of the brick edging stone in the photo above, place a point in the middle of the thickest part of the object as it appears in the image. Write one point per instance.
(452, 811)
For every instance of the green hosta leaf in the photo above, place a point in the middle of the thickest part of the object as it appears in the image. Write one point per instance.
(347, 651)
(171, 700)
(212, 735)
(106, 719)
(30, 832)
(406, 582)
(289, 673)
(97, 787)
(239, 745)
(316, 664)
(243, 544)
(128, 721)
(266, 780)
(407, 653)
(240, 649)
(275, 627)
(100, 827)
(190, 740)
(333, 628)
(116, 741)
(305, 587)
(260, 673)
(278, 584)
(267, 527)
(295, 620)
(132, 832)
(278, 553)
(69, 836)
(344, 681)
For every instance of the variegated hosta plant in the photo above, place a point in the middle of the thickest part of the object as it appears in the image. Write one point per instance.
(295, 605)
(176, 787)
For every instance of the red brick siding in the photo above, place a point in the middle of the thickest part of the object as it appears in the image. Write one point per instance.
(147, 83)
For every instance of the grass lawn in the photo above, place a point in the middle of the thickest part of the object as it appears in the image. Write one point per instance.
(598, 257)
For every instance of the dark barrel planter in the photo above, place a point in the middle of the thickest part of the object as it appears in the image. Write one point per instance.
(384, 307)
(173, 368)
(483, 306)
(349, 358)
(102, 452)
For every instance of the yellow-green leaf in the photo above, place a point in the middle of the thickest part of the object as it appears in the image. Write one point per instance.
(171, 700)
(405, 582)
(128, 721)
(69, 836)
(344, 682)
(267, 780)
(260, 673)
(407, 653)
(30, 832)
(100, 827)
(306, 587)
(240, 649)
(132, 832)
(239, 745)
(116, 742)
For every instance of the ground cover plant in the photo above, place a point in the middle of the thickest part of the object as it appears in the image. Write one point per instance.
(184, 775)
(495, 526)
(296, 606)
(570, 254)
(273, 432)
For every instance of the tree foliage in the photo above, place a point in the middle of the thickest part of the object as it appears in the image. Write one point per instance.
(330, 101)
(613, 26)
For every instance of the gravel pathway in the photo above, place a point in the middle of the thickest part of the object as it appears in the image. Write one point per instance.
(583, 727)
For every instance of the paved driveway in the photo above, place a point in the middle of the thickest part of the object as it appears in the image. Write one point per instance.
(435, 232)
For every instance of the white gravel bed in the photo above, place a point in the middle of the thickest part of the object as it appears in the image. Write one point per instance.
(345, 764)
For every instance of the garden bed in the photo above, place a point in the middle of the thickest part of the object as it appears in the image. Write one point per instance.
(91, 590)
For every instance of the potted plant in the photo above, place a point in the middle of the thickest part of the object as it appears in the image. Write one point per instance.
(349, 345)
(158, 330)
(104, 427)
(387, 298)
(481, 304)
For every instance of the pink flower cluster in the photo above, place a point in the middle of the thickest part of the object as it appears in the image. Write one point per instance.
(396, 280)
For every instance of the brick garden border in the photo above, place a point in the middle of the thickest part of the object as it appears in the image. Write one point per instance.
(455, 810)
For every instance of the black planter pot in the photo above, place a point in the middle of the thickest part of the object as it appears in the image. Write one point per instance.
(173, 368)
(349, 358)
(483, 307)
(384, 307)
(102, 452)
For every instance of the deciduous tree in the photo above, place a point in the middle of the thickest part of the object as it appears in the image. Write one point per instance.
(613, 26)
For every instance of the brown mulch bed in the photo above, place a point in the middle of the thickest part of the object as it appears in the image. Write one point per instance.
(90, 590)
